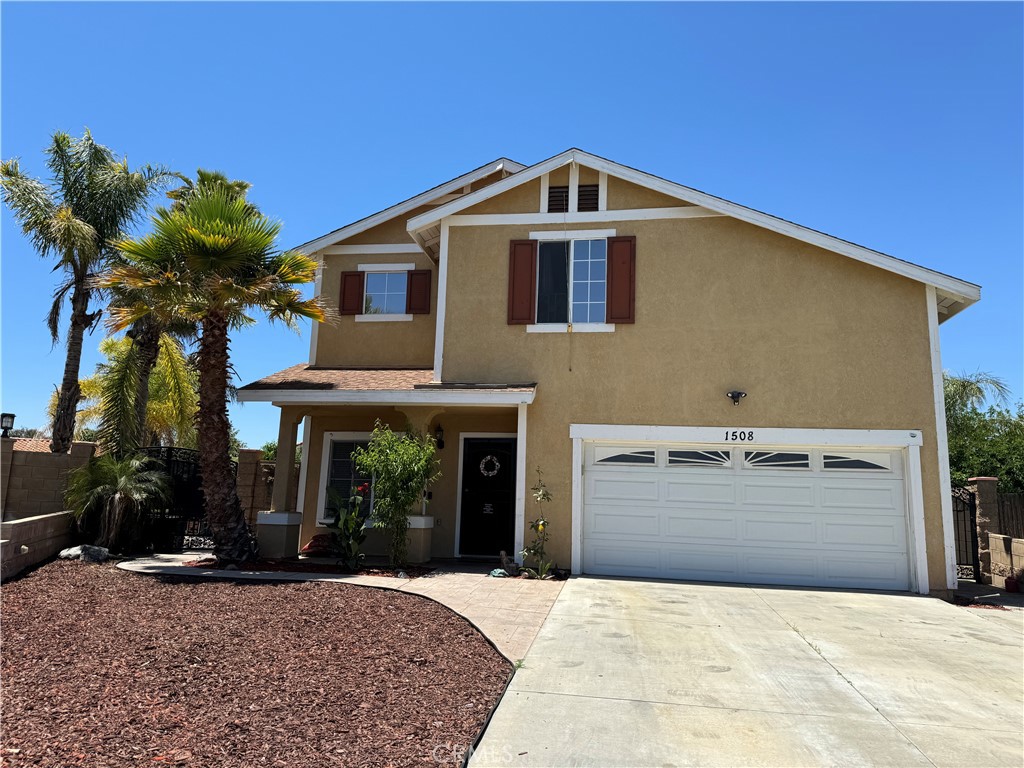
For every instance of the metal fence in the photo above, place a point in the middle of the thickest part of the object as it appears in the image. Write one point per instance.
(1011, 515)
(965, 533)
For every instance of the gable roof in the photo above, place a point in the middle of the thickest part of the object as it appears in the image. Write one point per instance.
(349, 230)
(954, 294)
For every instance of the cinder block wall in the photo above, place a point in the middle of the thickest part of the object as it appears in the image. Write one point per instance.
(34, 482)
(31, 540)
(1006, 557)
(256, 483)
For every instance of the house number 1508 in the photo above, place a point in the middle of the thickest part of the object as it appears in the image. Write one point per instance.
(739, 435)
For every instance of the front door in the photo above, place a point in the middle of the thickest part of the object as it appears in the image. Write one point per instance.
(487, 520)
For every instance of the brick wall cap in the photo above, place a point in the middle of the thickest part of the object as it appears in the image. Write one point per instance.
(976, 479)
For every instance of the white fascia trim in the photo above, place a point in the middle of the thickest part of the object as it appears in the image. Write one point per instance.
(385, 249)
(386, 267)
(385, 397)
(967, 291)
(875, 438)
(602, 191)
(915, 499)
(411, 204)
(382, 318)
(300, 502)
(325, 459)
(314, 331)
(574, 187)
(576, 555)
(942, 440)
(442, 301)
(545, 187)
(571, 328)
(572, 234)
(520, 530)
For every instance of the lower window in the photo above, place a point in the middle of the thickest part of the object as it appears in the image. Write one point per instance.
(344, 481)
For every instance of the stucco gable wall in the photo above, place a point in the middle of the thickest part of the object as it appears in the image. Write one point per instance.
(524, 198)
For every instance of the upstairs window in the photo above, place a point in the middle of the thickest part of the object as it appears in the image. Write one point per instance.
(379, 292)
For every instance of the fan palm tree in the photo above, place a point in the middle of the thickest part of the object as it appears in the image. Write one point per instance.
(970, 390)
(119, 491)
(92, 199)
(212, 261)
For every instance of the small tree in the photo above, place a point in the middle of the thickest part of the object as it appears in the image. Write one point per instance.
(402, 466)
(536, 551)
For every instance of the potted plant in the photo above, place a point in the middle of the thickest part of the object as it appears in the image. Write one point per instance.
(1013, 581)
(402, 467)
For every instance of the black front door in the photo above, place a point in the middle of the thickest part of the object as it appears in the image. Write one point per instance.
(487, 523)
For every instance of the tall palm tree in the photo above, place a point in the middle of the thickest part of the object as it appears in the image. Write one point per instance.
(970, 390)
(212, 261)
(91, 200)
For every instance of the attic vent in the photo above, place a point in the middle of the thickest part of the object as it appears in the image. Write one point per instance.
(558, 199)
(587, 198)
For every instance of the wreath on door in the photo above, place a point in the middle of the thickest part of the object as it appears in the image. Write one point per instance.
(489, 466)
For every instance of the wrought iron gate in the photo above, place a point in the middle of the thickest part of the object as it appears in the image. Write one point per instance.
(184, 519)
(965, 529)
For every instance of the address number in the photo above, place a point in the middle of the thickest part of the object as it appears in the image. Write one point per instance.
(740, 435)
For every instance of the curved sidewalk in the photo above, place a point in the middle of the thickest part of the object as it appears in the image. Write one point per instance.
(509, 612)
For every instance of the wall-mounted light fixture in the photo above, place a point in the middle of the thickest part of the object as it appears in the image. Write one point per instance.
(6, 423)
(735, 395)
(439, 436)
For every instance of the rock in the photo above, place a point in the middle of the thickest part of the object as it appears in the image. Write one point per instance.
(401, 575)
(71, 553)
(91, 554)
(230, 567)
(498, 573)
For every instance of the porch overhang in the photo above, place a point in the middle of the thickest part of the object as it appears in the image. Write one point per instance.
(310, 385)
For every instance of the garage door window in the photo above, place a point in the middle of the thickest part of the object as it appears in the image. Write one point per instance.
(862, 461)
(699, 458)
(777, 459)
(619, 455)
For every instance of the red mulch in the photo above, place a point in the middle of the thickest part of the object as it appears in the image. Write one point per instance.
(102, 667)
(304, 566)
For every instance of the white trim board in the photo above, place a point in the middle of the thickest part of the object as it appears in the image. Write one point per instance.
(909, 441)
(582, 217)
(385, 249)
(385, 397)
(967, 292)
(458, 497)
(572, 234)
(382, 318)
(389, 267)
(424, 198)
(942, 441)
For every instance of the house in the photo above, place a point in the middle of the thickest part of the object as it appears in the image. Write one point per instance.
(711, 392)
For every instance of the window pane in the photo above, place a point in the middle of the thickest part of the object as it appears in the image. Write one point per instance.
(394, 304)
(553, 282)
(597, 312)
(396, 282)
(580, 313)
(598, 249)
(597, 270)
(376, 282)
(581, 270)
(343, 478)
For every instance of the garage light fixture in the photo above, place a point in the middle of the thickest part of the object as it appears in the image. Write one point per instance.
(6, 423)
(735, 395)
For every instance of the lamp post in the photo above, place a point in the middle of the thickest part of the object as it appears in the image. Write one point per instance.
(6, 423)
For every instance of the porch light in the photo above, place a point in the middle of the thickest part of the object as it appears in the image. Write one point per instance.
(6, 423)
(439, 436)
(735, 395)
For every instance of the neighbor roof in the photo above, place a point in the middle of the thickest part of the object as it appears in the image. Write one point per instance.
(954, 293)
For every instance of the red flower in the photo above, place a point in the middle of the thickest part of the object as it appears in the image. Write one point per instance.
(363, 488)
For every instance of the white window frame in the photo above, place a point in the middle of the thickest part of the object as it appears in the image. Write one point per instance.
(394, 317)
(325, 462)
(570, 236)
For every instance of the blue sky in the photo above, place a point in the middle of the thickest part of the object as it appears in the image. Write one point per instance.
(896, 126)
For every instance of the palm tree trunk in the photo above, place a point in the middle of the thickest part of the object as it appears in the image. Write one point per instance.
(147, 340)
(69, 395)
(232, 541)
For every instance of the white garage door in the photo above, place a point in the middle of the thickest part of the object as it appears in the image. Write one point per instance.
(802, 516)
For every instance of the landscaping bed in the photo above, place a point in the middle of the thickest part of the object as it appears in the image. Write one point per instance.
(102, 667)
(314, 566)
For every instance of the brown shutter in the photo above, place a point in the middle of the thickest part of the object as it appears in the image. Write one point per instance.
(522, 282)
(351, 293)
(558, 199)
(621, 307)
(588, 197)
(417, 294)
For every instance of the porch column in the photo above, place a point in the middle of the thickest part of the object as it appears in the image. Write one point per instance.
(277, 529)
(520, 483)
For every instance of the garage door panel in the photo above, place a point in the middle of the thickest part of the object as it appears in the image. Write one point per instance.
(632, 521)
(860, 533)
(860, 496)
(777, 493)
(700, 565)
(882, 572)
(775, 532)
(701, 491)
(698, 527)
(615, 559)
(623, 489)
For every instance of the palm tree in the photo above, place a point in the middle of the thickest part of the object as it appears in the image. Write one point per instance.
(108, 397)
(120, 491)
(211, 261)
(92, 199)
(970, 390)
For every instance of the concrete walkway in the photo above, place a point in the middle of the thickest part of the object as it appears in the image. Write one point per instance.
(509, 612)
(639, 673)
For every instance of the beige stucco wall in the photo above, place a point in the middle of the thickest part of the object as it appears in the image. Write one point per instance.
(522, 199)
(818, 340)
(407, 343)
(625, 195)
(455, 421)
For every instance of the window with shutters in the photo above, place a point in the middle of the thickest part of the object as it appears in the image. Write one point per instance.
(378, 292)
(571, 281)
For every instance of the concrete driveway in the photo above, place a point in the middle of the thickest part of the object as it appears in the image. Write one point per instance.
(640, 673)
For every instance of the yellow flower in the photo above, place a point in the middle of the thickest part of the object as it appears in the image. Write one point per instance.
(540, 528)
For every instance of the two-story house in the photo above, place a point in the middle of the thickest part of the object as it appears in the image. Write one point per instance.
(711, 393)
